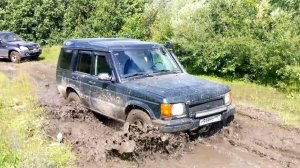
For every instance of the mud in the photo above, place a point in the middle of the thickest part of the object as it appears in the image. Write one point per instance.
(254, 139)
(80, 128)
(68, 112)
(135, 143)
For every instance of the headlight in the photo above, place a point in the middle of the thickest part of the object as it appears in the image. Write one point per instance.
(169, 110)
(178, 109)
(227, 98)
(23, 48)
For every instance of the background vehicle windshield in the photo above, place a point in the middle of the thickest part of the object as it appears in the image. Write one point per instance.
(144, 61)
(10, 37)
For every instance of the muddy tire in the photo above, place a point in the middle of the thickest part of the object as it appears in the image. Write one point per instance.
(73, 97)
(139, 118)
(15, 57)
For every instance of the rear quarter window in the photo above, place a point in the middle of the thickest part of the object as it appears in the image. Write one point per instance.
(65, 58)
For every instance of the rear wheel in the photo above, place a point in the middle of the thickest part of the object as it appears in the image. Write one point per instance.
(74, 98)
(15, 57)
(139, 118)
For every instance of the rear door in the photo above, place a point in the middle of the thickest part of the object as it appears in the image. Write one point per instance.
(64, 70)
(82, 74)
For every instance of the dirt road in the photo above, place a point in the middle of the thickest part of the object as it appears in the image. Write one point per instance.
(254, 139)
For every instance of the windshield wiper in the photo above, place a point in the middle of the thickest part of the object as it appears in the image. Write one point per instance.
(138, 74)
(165, 70)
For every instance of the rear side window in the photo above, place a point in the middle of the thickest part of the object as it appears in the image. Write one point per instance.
(84, 62)
(102, 65)
(66, 58)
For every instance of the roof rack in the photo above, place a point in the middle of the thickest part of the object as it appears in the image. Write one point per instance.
(105, 44)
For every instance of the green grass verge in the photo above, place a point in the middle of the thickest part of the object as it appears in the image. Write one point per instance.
(50, 54)
(266, 98)
(23, 142)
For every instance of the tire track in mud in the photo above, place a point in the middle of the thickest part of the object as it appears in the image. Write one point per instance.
(268, 139)
(254, 139)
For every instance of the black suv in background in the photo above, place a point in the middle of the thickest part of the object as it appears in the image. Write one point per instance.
(15, 48)
(141, 83)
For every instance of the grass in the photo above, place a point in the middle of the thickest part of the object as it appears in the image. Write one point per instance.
(50, 54)
(23, 142)
(266, 98)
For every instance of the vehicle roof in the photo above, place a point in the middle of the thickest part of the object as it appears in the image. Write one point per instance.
(109, 44)
(5, 32)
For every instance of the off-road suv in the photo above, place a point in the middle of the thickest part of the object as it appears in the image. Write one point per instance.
(15, 48)
(139, 82)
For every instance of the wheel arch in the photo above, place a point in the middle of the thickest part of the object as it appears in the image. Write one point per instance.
(70, 89)
(138, 105)
(12, 50)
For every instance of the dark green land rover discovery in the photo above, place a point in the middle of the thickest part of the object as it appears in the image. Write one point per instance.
(140, 82)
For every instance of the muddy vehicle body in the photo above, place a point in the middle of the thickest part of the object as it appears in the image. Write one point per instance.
(15, 48)
(139, 82)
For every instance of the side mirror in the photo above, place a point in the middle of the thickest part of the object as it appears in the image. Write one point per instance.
(169, 45)
(0, 41)
(104, 76)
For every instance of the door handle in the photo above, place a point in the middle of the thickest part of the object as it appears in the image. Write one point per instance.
(92, 82)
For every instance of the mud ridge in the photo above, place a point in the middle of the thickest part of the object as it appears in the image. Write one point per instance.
(70, 111)
(135, 143)
(261, 141)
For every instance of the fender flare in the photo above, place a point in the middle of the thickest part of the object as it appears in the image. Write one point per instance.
(141, 105)
(11, 49)
(74, 88)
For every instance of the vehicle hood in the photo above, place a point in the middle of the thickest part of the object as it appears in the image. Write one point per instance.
(22, 43)
(173, 88)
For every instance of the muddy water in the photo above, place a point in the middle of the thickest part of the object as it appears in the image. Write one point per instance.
(254, 139)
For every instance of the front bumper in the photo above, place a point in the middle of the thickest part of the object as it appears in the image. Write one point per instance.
(185, 124)
(30, 53)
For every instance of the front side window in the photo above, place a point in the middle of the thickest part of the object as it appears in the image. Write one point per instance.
(66, 58)
(102, 66)
(144, 61)
(84, 62)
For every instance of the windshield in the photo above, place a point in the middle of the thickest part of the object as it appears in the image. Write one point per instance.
(144, 62)
(10, 37)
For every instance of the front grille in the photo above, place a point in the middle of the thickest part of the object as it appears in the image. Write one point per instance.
(206, 106)
(32, 47)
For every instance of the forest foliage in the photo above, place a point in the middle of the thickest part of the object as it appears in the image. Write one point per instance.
(251, 40)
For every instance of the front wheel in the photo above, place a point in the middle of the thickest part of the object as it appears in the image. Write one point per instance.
(15, 57)
(139, 118)
(73, 97)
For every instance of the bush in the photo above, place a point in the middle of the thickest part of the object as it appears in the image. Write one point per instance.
(248, 40)
(52, 21)
(290, 78)
(251, 40)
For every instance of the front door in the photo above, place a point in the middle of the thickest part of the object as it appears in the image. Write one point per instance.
(3, 50)
(103, 96)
